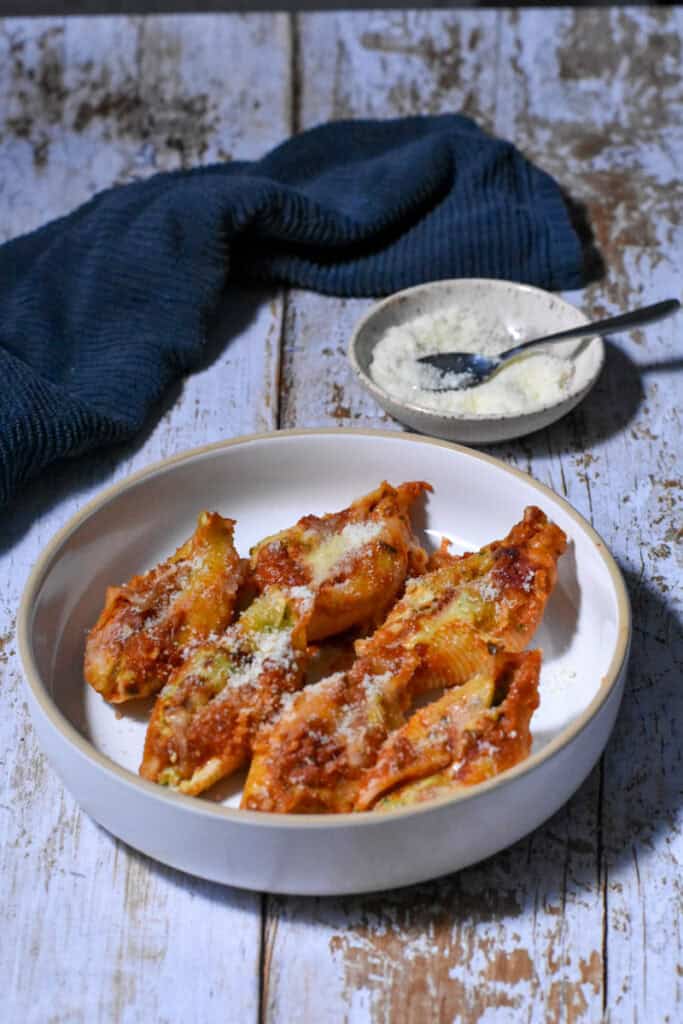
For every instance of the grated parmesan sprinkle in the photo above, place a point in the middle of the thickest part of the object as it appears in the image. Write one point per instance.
(355, 722)
(274, 650)
(328, 556)
(356, 535)
(484, 747)
(374, 685)
(528, 581)
(489, 591)
(303, 594)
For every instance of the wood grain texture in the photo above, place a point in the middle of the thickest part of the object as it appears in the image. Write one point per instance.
(578, 922)
(567, 924)
(371, 64)
(95, 932)
(624, 471)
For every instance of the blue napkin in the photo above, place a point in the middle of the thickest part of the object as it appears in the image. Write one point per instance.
(102, 309)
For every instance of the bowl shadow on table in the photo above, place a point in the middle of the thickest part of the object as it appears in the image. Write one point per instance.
(625, 805)
(82, 473)
(625, 810)
(656, 656)
(628, 806)
(606, 411)
(195, 887)
(466, 931)
(643, 763)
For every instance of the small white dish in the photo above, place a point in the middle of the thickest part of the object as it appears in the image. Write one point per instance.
(266, 482)
(523, 313)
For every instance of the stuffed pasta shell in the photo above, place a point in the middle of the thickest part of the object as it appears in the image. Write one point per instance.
(354, 562)
(205, 717)
(146, 624)
(448, 628)
(351, 563)
(471, 733)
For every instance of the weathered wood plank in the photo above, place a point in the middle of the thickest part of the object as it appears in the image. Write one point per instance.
(564, 922)
(586, 911)
(100, 933)
(501, 936)
(479, 945)
(371, 64)
(623, 463)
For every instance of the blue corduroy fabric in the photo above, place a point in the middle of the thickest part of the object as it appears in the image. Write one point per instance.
(102, 309)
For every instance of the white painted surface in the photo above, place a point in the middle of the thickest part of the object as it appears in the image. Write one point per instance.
(582, 920)
(96, 932)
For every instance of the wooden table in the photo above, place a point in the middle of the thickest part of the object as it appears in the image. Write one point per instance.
(581, 921)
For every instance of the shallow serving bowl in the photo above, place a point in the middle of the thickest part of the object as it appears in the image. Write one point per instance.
(267, 482)
(522, 312)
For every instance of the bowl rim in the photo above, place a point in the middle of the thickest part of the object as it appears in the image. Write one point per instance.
(384, 397)
(368, 819)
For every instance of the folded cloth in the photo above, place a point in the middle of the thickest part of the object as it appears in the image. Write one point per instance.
(102, 309)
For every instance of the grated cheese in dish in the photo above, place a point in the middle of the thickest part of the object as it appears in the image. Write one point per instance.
(532, 382)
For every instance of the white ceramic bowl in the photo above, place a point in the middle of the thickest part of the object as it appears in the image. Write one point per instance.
(267, 482)
(522, 311)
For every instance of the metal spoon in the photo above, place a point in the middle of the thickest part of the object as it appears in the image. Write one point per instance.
(475, 369)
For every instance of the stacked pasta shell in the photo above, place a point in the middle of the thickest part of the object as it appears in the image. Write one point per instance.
(450, 630)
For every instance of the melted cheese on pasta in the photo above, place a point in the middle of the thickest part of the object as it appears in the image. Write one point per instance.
(327, 555)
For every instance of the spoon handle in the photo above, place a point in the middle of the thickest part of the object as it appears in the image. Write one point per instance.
(646, 315)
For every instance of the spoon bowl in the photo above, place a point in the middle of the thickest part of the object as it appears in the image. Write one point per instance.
(460, 370)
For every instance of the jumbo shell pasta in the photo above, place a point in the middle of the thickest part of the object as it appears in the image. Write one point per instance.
(225, 689)
(450, 625)
(448, 631)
